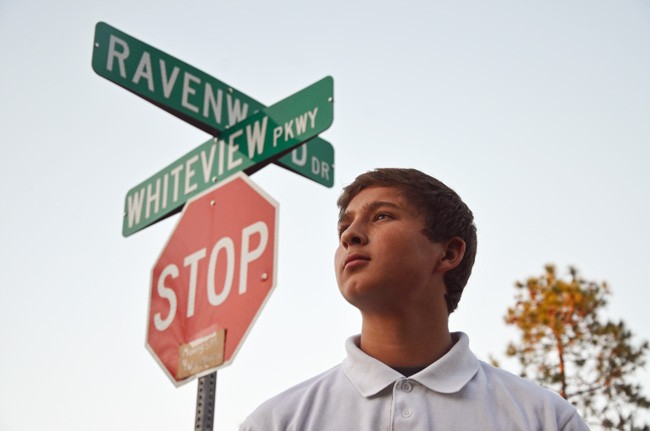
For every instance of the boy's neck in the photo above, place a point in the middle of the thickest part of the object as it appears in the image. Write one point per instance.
(405, 341)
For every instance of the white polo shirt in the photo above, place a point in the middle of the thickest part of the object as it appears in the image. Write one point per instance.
(457, 392)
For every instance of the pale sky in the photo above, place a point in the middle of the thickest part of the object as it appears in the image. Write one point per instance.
(534, 112)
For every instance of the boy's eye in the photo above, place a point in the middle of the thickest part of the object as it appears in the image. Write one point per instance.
(342, 229)
(382, 216)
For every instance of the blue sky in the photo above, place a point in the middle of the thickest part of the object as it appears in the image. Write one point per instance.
(534, 112)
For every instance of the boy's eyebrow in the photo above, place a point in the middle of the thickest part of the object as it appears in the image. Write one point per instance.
(369, 207)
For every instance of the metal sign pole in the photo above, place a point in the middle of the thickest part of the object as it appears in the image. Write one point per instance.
(205, 398)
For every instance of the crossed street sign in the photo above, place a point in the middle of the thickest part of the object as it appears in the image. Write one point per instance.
(244, 146)
(243, 142)
(193, 96)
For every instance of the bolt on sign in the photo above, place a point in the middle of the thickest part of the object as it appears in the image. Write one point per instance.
(261, 136)
(194, 96)
(212, 278)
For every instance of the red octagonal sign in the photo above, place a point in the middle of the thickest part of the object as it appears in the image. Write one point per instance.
(212, 279)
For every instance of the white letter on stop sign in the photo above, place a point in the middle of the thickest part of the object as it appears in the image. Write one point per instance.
(226, 243)
(193, 261)
(247, 256)
(167, 293)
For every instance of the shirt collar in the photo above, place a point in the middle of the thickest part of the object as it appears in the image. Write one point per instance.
(447, 375)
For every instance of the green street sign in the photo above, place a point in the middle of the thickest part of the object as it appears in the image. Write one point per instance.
(245, 146)
(191, 94)
(167, 82)
(313, 159)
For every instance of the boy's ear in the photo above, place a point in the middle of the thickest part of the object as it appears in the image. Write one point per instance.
(454, 250)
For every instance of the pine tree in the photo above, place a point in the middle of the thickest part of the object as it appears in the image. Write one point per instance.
(568, 346)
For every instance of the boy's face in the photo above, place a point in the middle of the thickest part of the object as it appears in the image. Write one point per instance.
(383, 258)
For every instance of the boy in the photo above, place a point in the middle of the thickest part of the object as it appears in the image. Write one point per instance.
(407, 244)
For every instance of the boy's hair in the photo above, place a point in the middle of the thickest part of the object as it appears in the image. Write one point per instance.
(445, 215)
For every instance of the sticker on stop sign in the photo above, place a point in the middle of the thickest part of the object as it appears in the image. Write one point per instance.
(212, 279)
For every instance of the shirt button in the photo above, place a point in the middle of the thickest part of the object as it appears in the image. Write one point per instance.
(407, 387)
(407, 413)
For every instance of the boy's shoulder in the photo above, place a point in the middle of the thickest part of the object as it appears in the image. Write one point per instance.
(297, 401)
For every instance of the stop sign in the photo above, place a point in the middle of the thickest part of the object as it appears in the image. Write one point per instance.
(212, 279)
